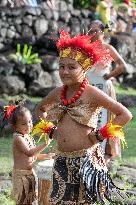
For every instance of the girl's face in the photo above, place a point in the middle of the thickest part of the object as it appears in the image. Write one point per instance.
(24, 123)
(96, 32)
(70, 71)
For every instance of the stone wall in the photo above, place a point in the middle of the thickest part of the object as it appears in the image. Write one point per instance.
(34, 23)
(39, 27)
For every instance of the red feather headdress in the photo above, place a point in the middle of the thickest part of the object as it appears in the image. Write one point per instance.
(81, 49)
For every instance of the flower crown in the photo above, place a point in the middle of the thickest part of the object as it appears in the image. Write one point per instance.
(81, 49)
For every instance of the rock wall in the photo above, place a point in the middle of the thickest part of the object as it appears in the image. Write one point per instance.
(34, 23)
(39, 27)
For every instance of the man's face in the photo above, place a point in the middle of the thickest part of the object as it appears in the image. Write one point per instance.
(70, 71)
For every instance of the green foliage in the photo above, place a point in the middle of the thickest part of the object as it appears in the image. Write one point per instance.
(85, 4)
(5, 198)
(6, 160)
(119, 2)
(120, 90)
(26, 56)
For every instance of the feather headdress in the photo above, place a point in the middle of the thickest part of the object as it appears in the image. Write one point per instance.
(83, 50)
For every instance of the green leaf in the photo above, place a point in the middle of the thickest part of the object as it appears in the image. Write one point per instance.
(37, 60)
(18, 48)
(29, 51)
(26, 57)
(25, 49)
(13, 56)
(33, 56)
(29, 62)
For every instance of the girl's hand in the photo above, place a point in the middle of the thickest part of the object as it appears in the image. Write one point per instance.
(49, 141)
(45, 156)
(107, 158)
(106, 76)
(92, 137)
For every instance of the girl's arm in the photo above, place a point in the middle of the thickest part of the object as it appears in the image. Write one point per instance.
(43, 106)
(23, 147)
(120, 65)
(44, 156)
(122, 114)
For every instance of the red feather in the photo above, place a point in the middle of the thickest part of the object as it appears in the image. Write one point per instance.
(8, 111)
(95, 50)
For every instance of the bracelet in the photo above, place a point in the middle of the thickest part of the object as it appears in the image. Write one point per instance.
(98, 136)
(51, 132)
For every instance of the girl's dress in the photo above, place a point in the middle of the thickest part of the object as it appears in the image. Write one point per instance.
(95, 77)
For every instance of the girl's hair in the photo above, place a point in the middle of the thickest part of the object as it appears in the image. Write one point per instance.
(13, 111)
(19, 111)
(100, 25)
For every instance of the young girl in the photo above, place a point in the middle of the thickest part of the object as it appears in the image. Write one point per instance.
(79, 171)
(25, 153)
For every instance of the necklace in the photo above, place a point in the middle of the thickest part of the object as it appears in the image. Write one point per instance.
(67, 102)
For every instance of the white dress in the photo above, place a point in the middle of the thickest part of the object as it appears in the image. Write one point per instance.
(95, 78)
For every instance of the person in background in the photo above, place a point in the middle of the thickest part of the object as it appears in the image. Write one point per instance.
(104, 11)
(113, 18)
(31, 3)
(122, 18)
(101, 78)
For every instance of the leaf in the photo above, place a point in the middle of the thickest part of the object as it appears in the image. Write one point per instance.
(29, 51)
(18, 48)
(27, 57)
(13, 56)
(33, 56)
(37, 60)
(25, 50)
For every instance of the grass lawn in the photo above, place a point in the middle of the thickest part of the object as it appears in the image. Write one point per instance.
(120, 90)
(5, 155)
(129, 154)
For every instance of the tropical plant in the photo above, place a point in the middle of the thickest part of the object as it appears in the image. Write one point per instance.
(26, 56)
